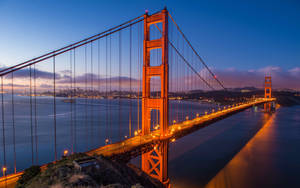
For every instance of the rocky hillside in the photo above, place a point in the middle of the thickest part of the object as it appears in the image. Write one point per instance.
(83, 171)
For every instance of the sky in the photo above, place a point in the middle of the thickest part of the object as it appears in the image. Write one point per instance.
(239, 40)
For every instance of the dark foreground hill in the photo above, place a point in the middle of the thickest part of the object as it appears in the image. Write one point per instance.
(95, 172)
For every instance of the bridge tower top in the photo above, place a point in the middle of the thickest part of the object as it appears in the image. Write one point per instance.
(268, 87)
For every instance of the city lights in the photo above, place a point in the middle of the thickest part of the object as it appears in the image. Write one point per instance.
(66, 152)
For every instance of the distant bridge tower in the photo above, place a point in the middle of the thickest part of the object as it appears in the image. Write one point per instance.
(268, 92)
(155, 162)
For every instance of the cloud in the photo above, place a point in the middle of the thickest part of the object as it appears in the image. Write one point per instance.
(16, 85)
(39, 74)
(46, 86)
(270, 70)
(281, 79)
(82, 79)
(25, 73)
(295, 71)
(230, 77)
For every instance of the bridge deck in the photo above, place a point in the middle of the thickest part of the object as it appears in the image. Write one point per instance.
(175, 131)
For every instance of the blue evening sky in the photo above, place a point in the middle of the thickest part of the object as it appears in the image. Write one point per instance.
(228, 34)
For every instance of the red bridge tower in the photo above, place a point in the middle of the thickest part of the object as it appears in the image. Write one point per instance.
(155, 162)
(268, 92)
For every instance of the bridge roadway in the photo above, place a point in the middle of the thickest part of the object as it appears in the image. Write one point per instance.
(137, 143)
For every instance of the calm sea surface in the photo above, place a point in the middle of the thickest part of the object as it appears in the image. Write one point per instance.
(248, 149)
(84, 125)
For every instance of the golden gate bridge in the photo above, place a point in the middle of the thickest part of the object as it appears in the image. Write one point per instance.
(138, 73)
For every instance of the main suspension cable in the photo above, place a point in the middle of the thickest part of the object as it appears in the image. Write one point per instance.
(182, 57)
(70, 47)
(201, 60)
(66, 50)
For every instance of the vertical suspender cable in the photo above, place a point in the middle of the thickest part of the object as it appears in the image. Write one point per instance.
(183, 85)
(3, 123)
(159, 83)
(92, 100)
(86, 97)
(31, 121)
(177, 81)
(99, 89)
(189, 85)
(194, 85)
(140, 68)
(75, 113)
(141, 65)
(71, 103)
(54, 108)
(110, 92)
(130, 46)
(201, 60)
(13, 121)
(106, 86)
(120, 73)
(35, 116)
(171, 64)
(139, 77)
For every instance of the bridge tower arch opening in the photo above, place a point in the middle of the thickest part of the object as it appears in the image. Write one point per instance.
(155, 161)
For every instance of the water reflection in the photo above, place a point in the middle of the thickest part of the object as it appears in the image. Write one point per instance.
(198, 157)
(238, 171)
(269, 159)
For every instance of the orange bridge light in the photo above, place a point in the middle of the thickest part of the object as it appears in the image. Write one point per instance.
(4, 169)
(66, 152)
